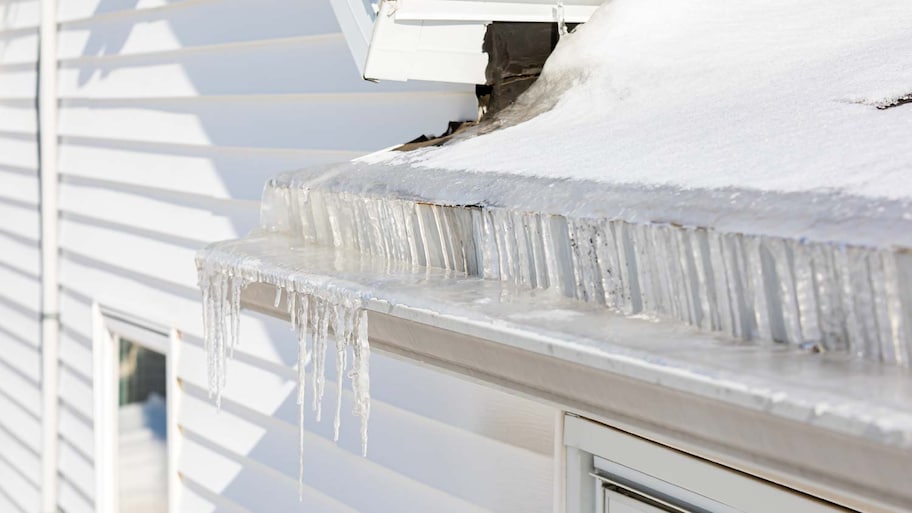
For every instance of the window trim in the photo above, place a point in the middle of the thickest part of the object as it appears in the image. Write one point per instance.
(592, 447)
(109, 326)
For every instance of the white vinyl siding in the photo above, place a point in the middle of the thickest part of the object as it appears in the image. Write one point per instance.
(172, 117)
(20, 282)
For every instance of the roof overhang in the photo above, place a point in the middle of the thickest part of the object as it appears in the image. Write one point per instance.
(830, 423)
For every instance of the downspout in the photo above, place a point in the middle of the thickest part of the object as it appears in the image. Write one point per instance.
(50, 316)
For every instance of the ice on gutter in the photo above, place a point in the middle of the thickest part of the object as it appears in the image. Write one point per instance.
(859, 402)
(794, 268)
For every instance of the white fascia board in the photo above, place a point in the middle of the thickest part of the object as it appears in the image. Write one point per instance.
(443, 51)
(575, 11)
(356, 19)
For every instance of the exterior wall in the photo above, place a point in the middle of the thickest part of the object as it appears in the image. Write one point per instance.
(172, 116)
(20, 261)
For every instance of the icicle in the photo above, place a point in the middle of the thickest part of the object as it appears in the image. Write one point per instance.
(342, 327)
(321, 333)
(278, 297)
(206, 287)
(292, 311)
(559, 18)
(221, 366)
(237, 284)
(360, 376)
(301, 331)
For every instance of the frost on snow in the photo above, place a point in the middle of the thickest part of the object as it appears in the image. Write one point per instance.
(321, 316)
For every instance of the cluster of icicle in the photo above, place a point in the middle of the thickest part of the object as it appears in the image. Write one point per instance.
(319, 315)
(816, 294)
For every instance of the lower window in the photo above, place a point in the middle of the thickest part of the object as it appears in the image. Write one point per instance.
(135, 409)
(610, 471)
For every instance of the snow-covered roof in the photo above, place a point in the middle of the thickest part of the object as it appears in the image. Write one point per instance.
(735, 167)
(771, 95)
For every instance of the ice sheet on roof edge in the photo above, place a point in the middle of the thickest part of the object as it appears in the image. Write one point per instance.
(802, 278)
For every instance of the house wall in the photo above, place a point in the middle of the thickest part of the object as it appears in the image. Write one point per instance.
(20, 262)
(172, 116)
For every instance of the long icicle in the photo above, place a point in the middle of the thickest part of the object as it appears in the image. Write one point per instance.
(361, 376)
(301, 332)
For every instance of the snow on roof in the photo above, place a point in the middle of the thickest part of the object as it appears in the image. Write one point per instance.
(723, 164)
(772, 95)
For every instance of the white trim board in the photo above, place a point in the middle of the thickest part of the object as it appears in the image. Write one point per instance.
(578, 11)
(439, 40)
(444, 51)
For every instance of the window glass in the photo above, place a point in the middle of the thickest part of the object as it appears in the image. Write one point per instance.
(142, 430)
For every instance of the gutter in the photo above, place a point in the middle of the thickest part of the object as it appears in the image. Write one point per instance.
(805, 420)
(50, 314)
(577, 298)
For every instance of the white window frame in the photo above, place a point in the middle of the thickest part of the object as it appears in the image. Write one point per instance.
(108, 327)
(595, 451)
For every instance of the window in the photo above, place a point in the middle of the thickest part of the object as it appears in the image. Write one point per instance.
(610, 471)
(135, 422)
(142, 430)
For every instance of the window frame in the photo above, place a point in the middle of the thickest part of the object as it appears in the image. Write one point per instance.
(109, 326)
(592, 448)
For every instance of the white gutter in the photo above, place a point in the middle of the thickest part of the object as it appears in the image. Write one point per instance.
(50, 316)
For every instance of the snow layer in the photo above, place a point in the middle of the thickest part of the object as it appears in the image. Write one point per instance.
(772, 95)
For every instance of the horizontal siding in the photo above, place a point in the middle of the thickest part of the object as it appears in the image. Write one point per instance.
(19, 16)
(146, 30)
(76, 501)
(200, 174)
(213, 70)
(173, 116)
(74, 463)
(20, 350)
(21, 422)
(73, 13)
(22, 254)
(18, 47)
(331, 122)
(24, 495)
(18, 82)
(414, 459)
(24, 461)
(18, 117)
(192, 216)
(20, 220)
(18, 150)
